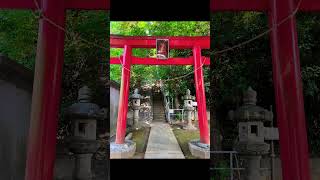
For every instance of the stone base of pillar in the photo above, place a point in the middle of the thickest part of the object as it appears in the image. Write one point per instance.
(83, 167)
(199, 149)
(122, 151)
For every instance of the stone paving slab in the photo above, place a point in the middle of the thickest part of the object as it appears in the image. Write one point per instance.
(162, 143)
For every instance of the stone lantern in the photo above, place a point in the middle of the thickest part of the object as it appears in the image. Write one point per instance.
(188, 108)
(136, 105)
(252, 133)
(83, 142)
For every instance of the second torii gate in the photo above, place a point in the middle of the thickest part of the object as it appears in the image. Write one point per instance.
(130, 42)
(286, 77)
(47, 80)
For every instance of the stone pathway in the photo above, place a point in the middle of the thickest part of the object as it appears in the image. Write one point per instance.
(162, 143)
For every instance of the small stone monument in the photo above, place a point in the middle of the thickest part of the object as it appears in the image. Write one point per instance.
(188, 108)
(136, 97)
(252, 133)
(83, 142)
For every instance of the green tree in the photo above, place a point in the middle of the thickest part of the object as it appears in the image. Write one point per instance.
(233, 71)
(149, 74)
(82, 59)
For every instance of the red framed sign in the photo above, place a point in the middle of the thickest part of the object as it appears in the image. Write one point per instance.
(162, 47)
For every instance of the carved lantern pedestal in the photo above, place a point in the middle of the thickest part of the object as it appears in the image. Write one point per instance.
(188, 108)
(136, 106)
(83, 143)
(252, 133)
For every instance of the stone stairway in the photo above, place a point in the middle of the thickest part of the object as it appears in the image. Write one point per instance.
(158, 108)
(162, 143)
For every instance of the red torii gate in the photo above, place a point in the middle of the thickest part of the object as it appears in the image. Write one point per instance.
(47, 80)
(129, 42)
(286, 76)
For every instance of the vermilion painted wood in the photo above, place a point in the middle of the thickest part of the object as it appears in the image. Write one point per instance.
(17, 4)
(238, 5)
(69, 4)
(41, 149)
(310, 5)
(195, 43)
(124, 96)
(154, 61)
(288, 93)
(201, 97)
(257, 5)
(182, 42)
(287, 79)
(47, 85)
(88, 4)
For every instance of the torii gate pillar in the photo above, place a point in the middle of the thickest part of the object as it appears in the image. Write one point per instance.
(288, 92)
(46, 93)
(201, 97)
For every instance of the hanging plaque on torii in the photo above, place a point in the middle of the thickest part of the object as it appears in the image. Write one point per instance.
(162, 47)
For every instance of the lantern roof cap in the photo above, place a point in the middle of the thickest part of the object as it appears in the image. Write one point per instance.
(83, 109)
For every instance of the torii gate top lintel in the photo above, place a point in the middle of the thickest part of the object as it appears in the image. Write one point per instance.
(287, 79)
(257, 5)
(175, 42)
(41, 149)
(68, 4)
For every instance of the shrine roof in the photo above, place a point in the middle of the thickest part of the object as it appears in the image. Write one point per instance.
(15, 73)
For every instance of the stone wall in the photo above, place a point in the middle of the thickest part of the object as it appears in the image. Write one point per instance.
(15, 105)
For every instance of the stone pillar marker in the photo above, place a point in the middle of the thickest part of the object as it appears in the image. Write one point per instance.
(136, 105)
(83, 143)
(252, 133)
(188, 108)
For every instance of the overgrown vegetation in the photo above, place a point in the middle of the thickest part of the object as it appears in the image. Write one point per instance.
(82, 61)
(149, 74)
(183, 138)
(233, 71)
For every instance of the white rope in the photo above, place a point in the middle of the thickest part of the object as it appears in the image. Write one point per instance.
(183, 76)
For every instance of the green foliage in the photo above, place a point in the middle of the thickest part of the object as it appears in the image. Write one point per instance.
(18, 36)
(251, 65)
(149, 74)
(82, 60)
(222, 173)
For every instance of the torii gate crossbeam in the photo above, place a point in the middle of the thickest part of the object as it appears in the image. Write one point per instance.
(47, 81)
(286, 77)
(129, 42)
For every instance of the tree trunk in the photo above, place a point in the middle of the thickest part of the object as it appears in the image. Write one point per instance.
(176, 102)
